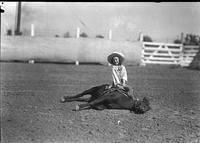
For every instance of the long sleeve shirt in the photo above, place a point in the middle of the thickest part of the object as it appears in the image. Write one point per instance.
(119, 74)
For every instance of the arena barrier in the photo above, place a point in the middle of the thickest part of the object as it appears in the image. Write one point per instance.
(67, 50)
(161, 53)
(188, 54)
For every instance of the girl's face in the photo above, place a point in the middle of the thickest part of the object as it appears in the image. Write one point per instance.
(116, 60)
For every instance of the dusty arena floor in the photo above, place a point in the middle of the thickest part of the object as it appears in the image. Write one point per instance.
(31, 112)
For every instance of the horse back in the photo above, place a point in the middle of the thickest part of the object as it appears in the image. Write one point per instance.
(118, 99)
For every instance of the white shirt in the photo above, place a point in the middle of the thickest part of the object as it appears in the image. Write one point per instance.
(119, 73)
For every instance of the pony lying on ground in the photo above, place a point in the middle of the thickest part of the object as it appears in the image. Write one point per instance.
(103, 97)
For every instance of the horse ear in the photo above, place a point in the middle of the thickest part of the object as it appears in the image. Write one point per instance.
(145, 100)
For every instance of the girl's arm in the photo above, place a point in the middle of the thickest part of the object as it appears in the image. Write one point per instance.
(123, 82)
(124, 77)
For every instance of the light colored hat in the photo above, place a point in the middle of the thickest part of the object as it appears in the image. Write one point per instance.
(115, 54)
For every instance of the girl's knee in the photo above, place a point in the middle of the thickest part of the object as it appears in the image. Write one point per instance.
(129, 88)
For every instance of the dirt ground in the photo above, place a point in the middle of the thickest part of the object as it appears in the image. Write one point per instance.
(31, 112)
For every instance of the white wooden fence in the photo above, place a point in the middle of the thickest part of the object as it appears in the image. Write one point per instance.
(161, 53)
(165, 53)
(188, 54)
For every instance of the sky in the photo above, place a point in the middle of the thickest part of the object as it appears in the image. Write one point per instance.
(163, 22)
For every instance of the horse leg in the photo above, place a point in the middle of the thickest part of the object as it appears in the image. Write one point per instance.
(76, 97)
(88, 106)
(70, 99)
(90, 91)
(82, 107)
(92, 104)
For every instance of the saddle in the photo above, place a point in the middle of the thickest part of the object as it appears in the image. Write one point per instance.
(112, 89)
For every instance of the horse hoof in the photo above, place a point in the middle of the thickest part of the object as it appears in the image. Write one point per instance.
(77, 108)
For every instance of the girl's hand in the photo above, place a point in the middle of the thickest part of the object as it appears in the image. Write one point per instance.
(109, 86)
(120, 86)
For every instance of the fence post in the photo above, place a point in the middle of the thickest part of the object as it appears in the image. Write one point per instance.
(142, 62)
(141, 37)
(110, 34)
(32, 30)
(77, 62)
(78, 32)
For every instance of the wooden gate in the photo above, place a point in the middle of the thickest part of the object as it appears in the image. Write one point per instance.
(161, 53)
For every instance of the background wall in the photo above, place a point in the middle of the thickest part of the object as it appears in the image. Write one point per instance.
(53, 49)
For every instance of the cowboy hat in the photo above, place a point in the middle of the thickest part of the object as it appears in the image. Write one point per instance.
(115, 54)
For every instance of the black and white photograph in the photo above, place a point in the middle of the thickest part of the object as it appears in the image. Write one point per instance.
(100, 72)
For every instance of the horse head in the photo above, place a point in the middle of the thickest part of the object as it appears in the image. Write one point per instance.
(141, 106)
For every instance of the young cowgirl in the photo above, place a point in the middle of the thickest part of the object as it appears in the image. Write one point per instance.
(119, 73)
